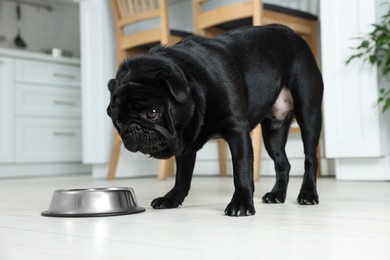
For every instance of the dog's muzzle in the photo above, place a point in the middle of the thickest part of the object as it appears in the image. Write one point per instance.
(136, 138)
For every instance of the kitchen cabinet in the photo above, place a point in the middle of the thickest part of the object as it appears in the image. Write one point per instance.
(41, 139)
(40, 115)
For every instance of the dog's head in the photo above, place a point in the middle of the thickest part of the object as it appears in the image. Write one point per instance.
(150, 106)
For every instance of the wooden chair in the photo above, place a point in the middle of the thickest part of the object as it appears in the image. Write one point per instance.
(217, 20)
(130, 13)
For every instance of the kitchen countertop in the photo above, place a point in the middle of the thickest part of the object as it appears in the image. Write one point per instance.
(38, 56)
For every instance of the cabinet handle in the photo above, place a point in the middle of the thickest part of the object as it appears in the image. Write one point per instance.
(64, 103)
(64, 76)
(64, 133)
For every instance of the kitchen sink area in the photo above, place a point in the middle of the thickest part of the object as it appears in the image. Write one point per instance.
(40, 26)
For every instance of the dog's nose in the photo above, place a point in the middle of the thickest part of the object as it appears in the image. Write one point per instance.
(134, 128)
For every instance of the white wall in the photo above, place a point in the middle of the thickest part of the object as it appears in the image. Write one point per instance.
(42, 29)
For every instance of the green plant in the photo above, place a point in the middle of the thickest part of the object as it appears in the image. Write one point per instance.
(375, 48)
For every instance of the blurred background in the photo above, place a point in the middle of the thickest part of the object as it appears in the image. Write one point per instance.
(57, 56)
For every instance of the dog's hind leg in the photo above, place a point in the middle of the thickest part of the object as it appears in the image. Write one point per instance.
(307, 96)
(275, 142)
(310, 124)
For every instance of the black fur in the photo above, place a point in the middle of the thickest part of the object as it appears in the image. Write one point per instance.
(201, 88)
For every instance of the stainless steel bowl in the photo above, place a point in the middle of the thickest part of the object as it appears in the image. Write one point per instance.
(94, 202)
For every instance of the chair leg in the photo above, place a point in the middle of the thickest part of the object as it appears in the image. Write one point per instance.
(171, 167)
(258, 12)
(116, 146)
(166, 168)
(222, 157)
(319, 161)
(256, 143)
(312, 39)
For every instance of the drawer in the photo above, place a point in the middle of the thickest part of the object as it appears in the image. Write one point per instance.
(46, 72)
(48, 140)
(47, 101)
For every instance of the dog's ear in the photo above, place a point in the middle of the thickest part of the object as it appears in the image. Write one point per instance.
(176, 83)
(112, 85)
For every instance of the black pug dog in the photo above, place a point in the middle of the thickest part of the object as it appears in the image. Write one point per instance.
(171, 101)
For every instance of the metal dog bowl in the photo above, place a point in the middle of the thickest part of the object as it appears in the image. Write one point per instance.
(95, 202)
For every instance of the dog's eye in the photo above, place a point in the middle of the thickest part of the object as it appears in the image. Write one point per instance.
(153, 114)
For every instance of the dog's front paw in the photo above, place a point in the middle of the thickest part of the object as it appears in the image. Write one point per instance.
(308, 198)
(274, 197)
(237, 209)
(165, 203)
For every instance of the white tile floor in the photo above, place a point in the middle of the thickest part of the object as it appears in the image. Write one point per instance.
(352, 221)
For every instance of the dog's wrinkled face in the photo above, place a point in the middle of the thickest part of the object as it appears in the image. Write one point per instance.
(148, 106)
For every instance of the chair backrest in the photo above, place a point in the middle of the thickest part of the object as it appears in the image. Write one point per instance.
(205, 19)
(131, 12)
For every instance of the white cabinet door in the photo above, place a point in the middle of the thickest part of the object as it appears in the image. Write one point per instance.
(33, 100)
(6, 110)
(48, 140)
(351, 123)
(45, 72)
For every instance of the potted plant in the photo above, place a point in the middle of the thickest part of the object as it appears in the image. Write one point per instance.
(375, 48)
